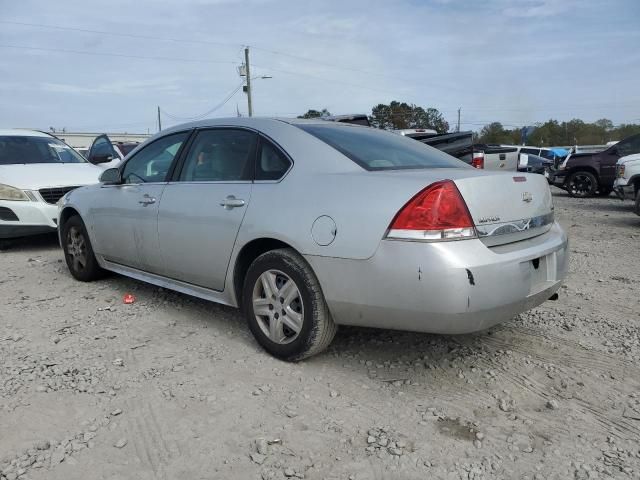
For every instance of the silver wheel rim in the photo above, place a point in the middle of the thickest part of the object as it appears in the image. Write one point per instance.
(581, 184)
(278, 306)
(77, 249)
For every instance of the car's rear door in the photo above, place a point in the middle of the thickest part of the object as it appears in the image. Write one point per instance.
(124, 222)
(203, 206)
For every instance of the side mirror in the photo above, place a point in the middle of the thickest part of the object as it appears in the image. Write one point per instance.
(111, 176)
(95, 159)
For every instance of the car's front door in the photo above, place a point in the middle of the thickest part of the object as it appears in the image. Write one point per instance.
(102, 153)
(126, 226)
(202, 208)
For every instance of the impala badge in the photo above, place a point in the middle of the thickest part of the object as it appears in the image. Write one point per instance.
(527, 197)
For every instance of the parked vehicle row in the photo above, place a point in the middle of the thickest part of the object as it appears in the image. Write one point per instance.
(307, 225)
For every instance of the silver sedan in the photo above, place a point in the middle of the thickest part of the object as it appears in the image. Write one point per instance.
(307, 225)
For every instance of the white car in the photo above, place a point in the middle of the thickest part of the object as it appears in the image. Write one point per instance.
(627, 182)
(36, 170)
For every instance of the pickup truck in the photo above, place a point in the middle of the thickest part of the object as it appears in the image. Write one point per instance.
(456, 144)
(593, 173)
(627, 182)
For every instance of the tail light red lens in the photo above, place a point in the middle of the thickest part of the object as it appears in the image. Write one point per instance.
(478, 160)
(436, 213)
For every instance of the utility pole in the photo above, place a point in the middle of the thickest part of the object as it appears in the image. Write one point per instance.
(248, 77)
(458, 127)
(159, 122)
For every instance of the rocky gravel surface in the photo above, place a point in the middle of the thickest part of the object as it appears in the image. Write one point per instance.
(174, 387)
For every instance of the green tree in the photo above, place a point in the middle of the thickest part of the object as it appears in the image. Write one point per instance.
(492, 133)
(315, 113)
(397, 115)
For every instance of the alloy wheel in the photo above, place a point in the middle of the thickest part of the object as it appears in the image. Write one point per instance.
(278, 306)
(77, 248)
(581, 185)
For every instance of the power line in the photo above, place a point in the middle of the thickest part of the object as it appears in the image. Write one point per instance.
(208, 112)
(205, 42)
(121, 55)
(116, 34)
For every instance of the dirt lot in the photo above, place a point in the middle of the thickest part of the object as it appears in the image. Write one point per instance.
(174, 387)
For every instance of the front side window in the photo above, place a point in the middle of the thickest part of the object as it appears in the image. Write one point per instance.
(28, 150)
(375, 149)
(102, 147)
(220, 155)
(272, 163)
(628, 146)
(152, 163)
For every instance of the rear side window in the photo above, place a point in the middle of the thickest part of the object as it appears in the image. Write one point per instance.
(375, 149)
(271, 164)
(530, 151)
(220, 155)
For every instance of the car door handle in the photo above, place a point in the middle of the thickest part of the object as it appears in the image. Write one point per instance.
(232, 202)
(147, 200)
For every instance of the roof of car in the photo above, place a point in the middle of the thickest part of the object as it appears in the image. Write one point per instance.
(249, 122)
(20, 132)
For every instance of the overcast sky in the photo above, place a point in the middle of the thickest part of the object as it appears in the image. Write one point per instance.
(518, 61)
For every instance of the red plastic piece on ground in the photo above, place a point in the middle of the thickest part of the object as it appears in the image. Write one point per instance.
(128, 298)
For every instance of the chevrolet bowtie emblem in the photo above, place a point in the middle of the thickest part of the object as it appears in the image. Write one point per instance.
(527, 197)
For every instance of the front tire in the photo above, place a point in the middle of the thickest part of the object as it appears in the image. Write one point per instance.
(78, 252)
(582, 184)
(285, 308)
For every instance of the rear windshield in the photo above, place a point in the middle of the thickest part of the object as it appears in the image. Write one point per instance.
(23, 150)
(375, 149)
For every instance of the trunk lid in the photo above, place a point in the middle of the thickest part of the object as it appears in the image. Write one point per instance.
(507, 207)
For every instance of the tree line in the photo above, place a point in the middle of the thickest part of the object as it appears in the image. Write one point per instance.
(397, 116)
(400, 115)
(555, 133)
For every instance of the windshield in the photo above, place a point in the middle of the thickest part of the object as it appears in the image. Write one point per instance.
(375, 149)
(24, 149)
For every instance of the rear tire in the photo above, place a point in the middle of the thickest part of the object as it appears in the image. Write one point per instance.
(78, 252)
(285, 307)
(582, 184)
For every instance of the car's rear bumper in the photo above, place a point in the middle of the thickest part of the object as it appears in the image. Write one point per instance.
(20, 219)
(448, 287)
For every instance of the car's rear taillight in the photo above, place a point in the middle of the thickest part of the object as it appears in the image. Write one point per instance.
(436, 213)
(478, 160)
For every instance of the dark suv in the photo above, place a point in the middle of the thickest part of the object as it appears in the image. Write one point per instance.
(588, 174)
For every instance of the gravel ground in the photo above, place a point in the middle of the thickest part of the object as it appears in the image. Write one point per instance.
(174, 387)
